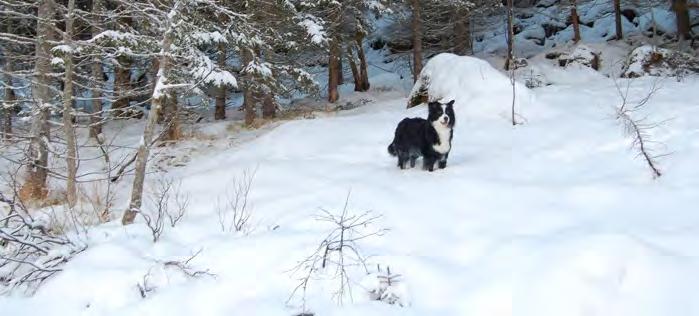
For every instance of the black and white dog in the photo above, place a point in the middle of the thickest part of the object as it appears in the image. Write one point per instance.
(429, 139)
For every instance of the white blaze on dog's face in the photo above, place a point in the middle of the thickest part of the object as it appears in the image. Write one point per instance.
(442, 114)
(444, 119)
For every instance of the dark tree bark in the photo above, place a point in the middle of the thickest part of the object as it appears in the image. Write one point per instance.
(617, 19)
(682, 12)
(122, 87)
(37, 175)
(462, 32)
(340, 68)
(9, 100)
(249, 100)
(220, 109)
(353, 66)
(269, 107)
(509, 62)
(68, 127)
(575, 20)
(170, 113)
(417, 39)
(9, 93)
(97, 75)
(333, 69)
(363, 65)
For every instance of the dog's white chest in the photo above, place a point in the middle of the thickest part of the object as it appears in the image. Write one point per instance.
(443, 133)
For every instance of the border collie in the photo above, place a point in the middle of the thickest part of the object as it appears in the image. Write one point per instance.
(429, 139)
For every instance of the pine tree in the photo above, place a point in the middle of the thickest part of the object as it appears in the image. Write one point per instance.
(187, 26)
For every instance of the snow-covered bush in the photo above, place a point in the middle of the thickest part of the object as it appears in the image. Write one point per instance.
(647, 60)
(386, 287)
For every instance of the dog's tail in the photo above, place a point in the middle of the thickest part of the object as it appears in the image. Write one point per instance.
(392, 149)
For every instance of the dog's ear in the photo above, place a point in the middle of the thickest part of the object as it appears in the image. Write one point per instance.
(451, 103)
(433, 104)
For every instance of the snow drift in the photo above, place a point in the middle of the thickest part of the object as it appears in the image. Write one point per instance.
(477, 87)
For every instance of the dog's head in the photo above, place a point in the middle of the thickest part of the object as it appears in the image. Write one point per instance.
(442, 113)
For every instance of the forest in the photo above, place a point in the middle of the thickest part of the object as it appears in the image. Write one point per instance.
(228, 157)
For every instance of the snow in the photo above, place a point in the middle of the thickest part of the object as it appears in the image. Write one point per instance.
(314, 30)
(116, 36)
(257, 68)
(208, 73)
(639, 56)
(57, 61)
(663, 19)
(62, 49)
(472, 83)
(552, 217)
(210, 37)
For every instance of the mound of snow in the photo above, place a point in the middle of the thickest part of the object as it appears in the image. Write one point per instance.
(649, 61)
(581, 55)
(473, 83)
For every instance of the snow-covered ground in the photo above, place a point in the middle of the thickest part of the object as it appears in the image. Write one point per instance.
(556, 216)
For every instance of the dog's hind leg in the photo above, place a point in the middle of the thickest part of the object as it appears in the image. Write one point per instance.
(412, 161)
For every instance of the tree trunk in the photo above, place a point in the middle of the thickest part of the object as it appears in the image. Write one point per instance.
(333, 63)
(122, 87)
(35, 186)
(97, 75)
(68, 129)
(340, 68)
(509, 62)
(269, 107)
(159, 97)
(170, 112)
(363, 66)
(353, 67)
(575, 20)
(249, 101)
(682, 12)
(617, 19)
(7, 113)
(220, 109)
(417, 39)
(10, 97)
(462, 32)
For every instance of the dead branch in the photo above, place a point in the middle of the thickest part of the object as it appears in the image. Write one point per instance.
(30, 253)
(184, 267)
(639, 129)
(234, 212)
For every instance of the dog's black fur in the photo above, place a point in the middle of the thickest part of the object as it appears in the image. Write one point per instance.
(417, 137)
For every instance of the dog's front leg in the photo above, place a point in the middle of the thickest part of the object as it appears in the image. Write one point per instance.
(401, 161)
(443, 161)
(412, 161)
(428, 163)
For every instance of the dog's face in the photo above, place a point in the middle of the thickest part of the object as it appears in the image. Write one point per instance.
(442, 113)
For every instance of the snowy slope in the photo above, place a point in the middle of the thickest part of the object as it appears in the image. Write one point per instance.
(552, 217)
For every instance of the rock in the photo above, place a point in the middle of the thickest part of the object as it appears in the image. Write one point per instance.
(630, 15)
(581, 55)
(647, 60)
(552, 29)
